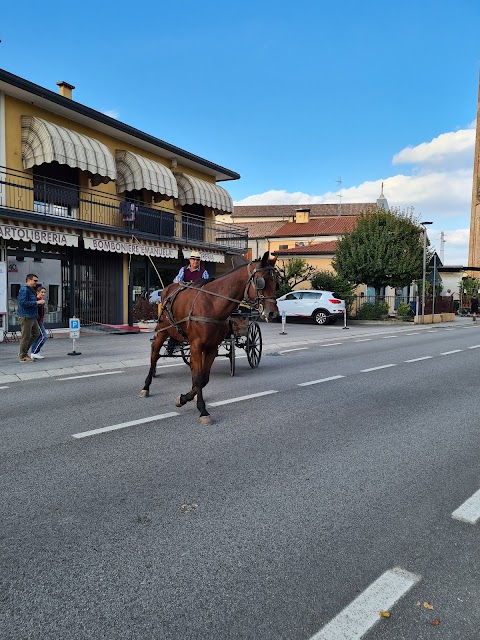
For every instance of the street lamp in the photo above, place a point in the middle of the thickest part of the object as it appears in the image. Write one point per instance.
(424, 267)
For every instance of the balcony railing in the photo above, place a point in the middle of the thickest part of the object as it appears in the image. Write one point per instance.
(54, 201)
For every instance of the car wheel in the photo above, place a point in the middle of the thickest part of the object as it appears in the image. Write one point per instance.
(320, 316)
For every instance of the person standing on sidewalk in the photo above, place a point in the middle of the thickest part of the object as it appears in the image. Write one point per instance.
(27, 310)
(474, 307)
(43, 337)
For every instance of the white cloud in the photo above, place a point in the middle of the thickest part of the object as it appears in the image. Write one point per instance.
(439, 188)
(112, 113)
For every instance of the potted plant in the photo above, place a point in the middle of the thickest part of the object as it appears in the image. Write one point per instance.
(145, 313)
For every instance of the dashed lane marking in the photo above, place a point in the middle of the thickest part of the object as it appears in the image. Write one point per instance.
(240, 398)
(418, 359)
(332, 344)
(92, 375)
(306, 384)
(415, 333)
(123, 425)
(475, 346)
(360, 615)
(387, 337)
(469, 511)
(4, 387)
(297, 349)
(363, 340)
(447, 353)
(384, 366)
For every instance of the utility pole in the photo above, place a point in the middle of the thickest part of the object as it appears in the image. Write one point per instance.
(339, 196)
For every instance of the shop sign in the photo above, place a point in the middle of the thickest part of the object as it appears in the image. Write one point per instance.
(31, 234)
(133, 248)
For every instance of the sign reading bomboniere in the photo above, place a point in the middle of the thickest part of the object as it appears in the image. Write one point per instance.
(134, 248)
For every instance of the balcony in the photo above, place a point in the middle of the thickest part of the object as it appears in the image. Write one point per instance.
(53, 201)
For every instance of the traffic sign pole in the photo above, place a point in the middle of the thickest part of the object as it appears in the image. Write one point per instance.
(74, 328)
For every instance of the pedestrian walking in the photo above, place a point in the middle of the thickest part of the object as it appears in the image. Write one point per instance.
(43, 337)
(474, 307)
(27, 310)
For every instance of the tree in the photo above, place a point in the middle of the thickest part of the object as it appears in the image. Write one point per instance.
(292, 273)
(469, 286)
(329, 281)
(384, 249)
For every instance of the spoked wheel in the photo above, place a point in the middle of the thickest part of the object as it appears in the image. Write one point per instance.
(254, 345)
(185, 348)
(231, 355)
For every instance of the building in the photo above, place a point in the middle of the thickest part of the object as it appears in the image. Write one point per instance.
(474, 244)
(99, 210)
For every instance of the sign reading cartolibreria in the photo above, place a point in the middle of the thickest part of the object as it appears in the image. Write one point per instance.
(134, 248)
(31, 234)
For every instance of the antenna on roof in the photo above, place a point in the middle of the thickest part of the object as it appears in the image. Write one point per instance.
(339, 196)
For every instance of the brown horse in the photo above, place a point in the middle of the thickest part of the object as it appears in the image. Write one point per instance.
(200, 315)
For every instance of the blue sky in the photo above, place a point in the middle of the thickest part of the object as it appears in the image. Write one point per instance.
(293, 96)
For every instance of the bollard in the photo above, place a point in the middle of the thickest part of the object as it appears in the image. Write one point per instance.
(345, 319)
(283, 332)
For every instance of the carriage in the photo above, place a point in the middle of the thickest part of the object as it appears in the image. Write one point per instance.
(243, 333)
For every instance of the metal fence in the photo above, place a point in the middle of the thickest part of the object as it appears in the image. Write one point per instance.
(51, 200)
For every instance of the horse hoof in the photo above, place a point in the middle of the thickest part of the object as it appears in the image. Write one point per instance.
(178, 402)
(144, 393)
(205, 420)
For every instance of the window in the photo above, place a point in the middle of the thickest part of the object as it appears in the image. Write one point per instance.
(53, 295)
(311, 295)
(301, 244)
(292, 296)
(14, 290)
(282, 246)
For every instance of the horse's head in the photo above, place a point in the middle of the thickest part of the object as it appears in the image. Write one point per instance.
(262, 286)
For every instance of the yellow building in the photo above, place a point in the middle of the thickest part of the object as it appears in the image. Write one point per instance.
(96, 207)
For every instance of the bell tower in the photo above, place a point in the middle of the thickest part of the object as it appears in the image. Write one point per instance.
(474, 246)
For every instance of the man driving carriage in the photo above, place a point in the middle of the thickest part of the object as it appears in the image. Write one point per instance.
(193, 271)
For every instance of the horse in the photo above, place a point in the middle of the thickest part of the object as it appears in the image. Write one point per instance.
(200, 314)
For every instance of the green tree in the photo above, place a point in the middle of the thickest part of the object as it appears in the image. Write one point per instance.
(329, 281)
(292, 273)
(384, 249)
(469, 286)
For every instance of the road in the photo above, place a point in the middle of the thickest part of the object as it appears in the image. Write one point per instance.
(302, 512)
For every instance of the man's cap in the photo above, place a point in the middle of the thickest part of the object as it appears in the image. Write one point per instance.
(195, 254)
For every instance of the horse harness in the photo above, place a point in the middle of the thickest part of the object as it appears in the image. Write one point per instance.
(258, 285)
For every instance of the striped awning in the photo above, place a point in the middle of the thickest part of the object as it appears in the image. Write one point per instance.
(137, 172)
(195, 191)
(38, 233)
(44, 141)
(113, 243)
(205, 255)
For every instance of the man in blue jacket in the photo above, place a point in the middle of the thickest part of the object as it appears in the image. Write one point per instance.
(27, 310)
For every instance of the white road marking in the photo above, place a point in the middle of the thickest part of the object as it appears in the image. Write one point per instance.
(332, 344)
(387, 337)
(432, 330)
(4, 387)
(306, 384)
(123, 425)
(363, 340)
(418, 359)
(91, 375)
(415, 333)
(384, 366)
(360, 615)
(297, 349)
(469, 511)
(449, 329)
(447, 353)
(475, 346)
(239, 399)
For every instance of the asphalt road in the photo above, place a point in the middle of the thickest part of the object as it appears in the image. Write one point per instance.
(275, 522)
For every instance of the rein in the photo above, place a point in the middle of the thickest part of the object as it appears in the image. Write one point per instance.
(256, 303)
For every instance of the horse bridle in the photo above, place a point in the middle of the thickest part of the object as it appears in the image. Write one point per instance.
(258, 284)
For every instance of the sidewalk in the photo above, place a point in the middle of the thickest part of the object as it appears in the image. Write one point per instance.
(104, 352)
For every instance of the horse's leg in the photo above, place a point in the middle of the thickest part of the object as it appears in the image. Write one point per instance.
(208, 358)
(200, 365)
(157, 344)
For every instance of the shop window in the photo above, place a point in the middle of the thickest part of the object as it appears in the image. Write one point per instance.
(14, 291)
(53, 295)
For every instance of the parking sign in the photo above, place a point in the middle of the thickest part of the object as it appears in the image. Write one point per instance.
(74, 327)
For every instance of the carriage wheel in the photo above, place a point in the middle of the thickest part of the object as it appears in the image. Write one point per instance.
(231, 355)
(185, 348)
(254, 345)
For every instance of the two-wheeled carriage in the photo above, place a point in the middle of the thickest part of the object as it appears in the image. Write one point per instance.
(243, 333)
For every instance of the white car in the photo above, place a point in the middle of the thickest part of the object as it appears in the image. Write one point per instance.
(155, 296)
(323, 306)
